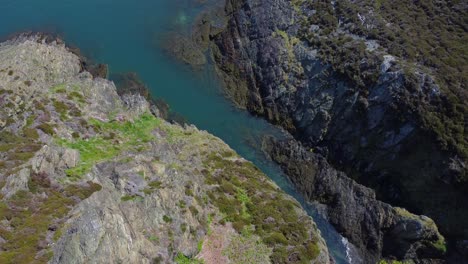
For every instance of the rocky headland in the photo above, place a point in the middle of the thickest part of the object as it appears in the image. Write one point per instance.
(88, 176)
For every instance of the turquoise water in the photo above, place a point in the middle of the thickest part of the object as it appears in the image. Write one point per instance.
(126, 35)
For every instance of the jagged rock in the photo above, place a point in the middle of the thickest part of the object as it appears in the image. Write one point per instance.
(130, 84)
(375, 228)
(135, 103)
(15, 183)
(94, 177)
(52, 159)
(372, 124)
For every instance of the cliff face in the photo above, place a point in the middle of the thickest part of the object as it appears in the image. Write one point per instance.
(88, 176)
(368, 105)
(377, 229)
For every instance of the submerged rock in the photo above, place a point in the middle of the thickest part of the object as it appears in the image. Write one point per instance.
(129, 84)
(89, 176)
(184, 49)
(191, 48)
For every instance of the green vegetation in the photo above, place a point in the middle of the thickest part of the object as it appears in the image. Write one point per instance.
(247, 249)
(155, 184)
(200, 245)
(129, 135)
(182, 204)
(406, 214)
(293, 64)
(60, 88)
(246, 200)
(188, 190)
(152, 186)
(440, 245)
(62, 109)
(57, 235)
(154, 238)
(92, 151)
(289, 41)
(193, 210)
(127, 198)
(167, 219)
(76, 96)
(18, 148)
(31, 214)
(428, 36)
(47, 128)
(182, 259)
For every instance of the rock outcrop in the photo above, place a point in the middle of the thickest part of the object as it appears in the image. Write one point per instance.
(87, 176)
(384, 120)
(375, 228)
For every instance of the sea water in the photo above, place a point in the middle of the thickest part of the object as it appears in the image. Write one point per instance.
(127, 35)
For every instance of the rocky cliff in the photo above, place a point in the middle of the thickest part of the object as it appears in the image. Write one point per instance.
(88, 176)
(359, 83)
(377, 229)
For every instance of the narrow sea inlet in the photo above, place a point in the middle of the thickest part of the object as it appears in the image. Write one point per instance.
(127, 35)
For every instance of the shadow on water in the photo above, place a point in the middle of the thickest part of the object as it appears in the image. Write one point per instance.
(123, 35)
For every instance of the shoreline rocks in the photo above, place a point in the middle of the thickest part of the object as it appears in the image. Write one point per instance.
(372, 126)
(377, 229)
(87, 175)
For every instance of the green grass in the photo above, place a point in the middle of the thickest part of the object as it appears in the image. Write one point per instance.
(154, 238)
(244, 199)
(182, 259)
(200, 245)
(60, 88)
(92, 151)
(133, 136)
(136, 132)
(249, 202)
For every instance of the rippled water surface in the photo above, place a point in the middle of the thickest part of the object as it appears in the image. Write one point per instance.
(126, 34)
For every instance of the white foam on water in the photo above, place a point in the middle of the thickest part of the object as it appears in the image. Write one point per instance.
(348, 249)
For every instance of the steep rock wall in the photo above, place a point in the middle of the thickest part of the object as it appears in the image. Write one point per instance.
(372, 125)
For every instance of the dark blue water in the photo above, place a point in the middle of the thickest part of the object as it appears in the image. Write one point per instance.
(126, 34)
